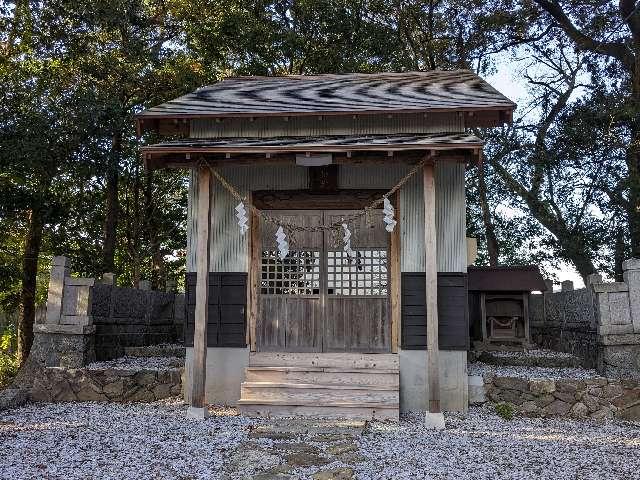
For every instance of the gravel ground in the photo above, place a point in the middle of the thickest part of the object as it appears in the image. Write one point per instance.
(479, 368)
(482, 445)
(540, 352)
(156, 441)
(138, 363)
(115, 441)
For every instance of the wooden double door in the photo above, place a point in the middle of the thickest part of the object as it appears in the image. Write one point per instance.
(318, 299)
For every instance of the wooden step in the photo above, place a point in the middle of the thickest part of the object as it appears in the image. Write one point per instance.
(332, 360)
(344, 410)
(322, 385)
(322, 394)
(326, 375)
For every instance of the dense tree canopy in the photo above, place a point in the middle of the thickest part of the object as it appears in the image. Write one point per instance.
(559, 186)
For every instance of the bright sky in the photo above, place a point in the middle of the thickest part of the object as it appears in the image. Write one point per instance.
(509, 81)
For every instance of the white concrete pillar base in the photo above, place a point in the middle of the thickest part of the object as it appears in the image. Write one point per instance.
(434, 421)
(197, 413)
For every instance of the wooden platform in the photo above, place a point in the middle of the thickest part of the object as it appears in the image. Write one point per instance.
(322, 385)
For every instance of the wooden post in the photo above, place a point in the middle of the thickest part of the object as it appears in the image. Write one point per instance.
(434, 417)
(198, 407)
(394, 271)
(255, 258)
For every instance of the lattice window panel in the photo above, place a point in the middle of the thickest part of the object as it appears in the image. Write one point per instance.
(297, 274)
(364, 275)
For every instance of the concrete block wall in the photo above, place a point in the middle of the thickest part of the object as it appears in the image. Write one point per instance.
(88, 319)
(600, 323)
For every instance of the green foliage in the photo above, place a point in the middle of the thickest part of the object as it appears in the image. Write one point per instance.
(8, 360)
(74, 73)
(505, 410)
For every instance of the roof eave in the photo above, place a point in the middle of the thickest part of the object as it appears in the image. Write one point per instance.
(150, 121)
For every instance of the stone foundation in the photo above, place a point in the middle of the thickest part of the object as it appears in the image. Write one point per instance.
(58, 349)
(105, 385)
(597, 398)
(619, 356)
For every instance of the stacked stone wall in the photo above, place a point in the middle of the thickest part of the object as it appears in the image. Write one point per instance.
(597, 398)
(566, 322)
(106, 385)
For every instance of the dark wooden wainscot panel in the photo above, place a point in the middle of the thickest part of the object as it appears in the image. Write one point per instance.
(227, 309)
(453, 315)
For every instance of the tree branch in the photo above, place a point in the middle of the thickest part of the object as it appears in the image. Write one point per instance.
(617, 50)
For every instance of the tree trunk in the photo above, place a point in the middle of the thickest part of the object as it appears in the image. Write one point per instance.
(33, 242)
(493, 248)
(112, 206)
(158, 274)
(633, 164)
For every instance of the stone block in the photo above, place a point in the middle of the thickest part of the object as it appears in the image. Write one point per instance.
(611, 391)
(545, 400)
(591, 403)
(12, 398)
(161, 391)
(145, 378)
(615, 329)
(628, 399)
(619, 309)
(569, 385)
(529, 408)
(542, 386)
(477, 394)
(567, 286)
(60, 268)
(557, 408)
(114, 389)
(603, 413)
(631, 276)
(88, 394)
(631, 264)
(141, 394)
(512, 383)
(565, 397)
(579, 410)
(610, 287)
(631, 413)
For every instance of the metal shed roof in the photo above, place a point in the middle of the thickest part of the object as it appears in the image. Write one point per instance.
(457, 90)
(524, 278)
(329, 144)
(324, 143)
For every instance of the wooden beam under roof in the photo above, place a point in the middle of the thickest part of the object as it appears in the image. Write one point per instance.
(178, 161)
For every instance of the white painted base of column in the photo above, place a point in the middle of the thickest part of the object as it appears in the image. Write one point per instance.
(197, 413)
(434, 421)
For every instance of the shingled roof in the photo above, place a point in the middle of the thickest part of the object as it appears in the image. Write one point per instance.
(432, 91)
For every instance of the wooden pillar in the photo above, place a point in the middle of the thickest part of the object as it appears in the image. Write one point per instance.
(395, 274)
(198, 407)
(434, 417)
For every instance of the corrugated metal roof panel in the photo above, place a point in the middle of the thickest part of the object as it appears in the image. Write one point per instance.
(336, 94)
(324, 143)
(318, 125)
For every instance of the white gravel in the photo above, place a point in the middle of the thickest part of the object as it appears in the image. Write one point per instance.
(156, 441)
(115, 441)
(138, 363)
(541, 353)
(483, 369)
(482, 445)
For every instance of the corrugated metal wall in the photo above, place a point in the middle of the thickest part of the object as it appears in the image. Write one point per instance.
(327, 125)
(450, 212)
(229, 248)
